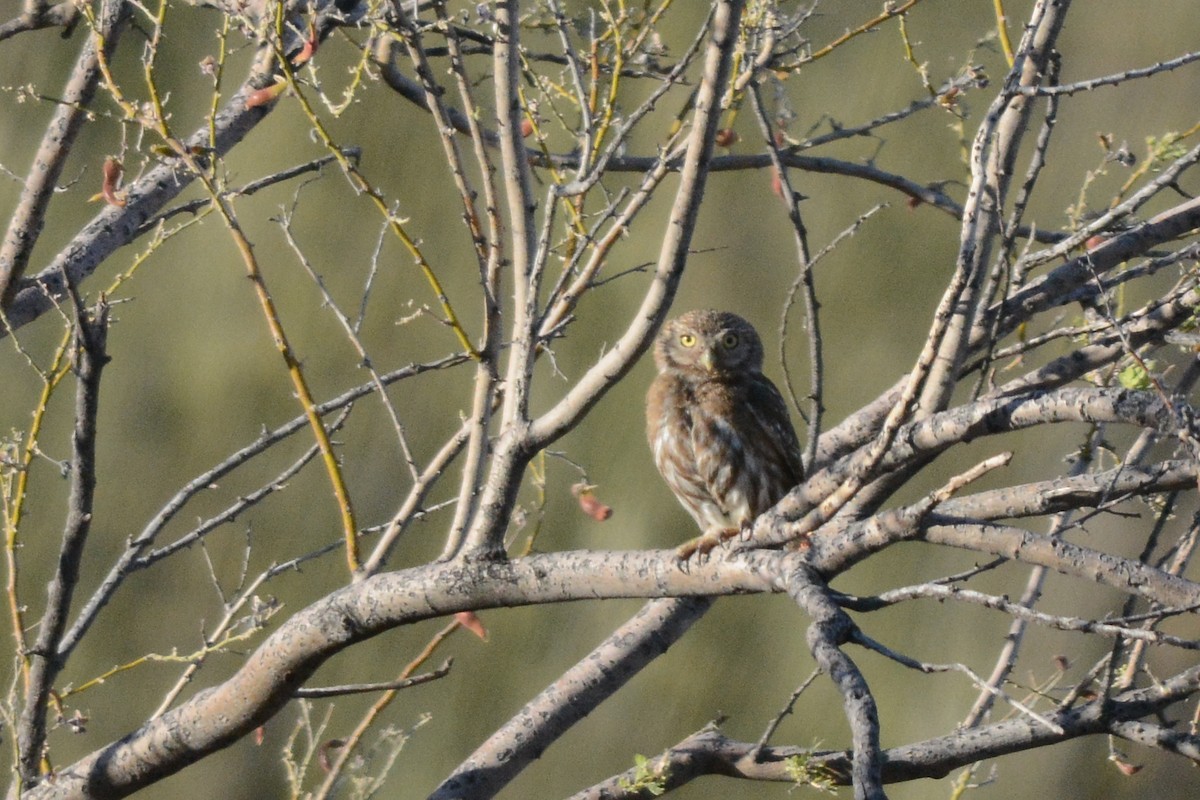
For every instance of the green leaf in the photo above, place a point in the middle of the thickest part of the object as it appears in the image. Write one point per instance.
(1135, 376)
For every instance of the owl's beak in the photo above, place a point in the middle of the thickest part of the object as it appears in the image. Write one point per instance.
(706, 361)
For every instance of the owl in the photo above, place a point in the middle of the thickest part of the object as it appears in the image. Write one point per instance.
(718, 427)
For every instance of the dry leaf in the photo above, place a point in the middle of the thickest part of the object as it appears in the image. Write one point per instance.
(471, 621)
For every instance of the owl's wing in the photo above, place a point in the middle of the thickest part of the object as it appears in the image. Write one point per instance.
(770, 413)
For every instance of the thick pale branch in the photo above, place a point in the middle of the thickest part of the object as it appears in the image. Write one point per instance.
(1122, 574)
(918, 441)
(270, 675)
(1091, 490)
(40, 15)
(1050, 290)
(1150, 327)
(1159, 736)
(835, 551)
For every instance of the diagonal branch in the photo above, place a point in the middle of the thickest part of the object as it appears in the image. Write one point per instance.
(574, 695)
(835, 551)
(993, 153)
(710, 752)
(25, 224)
(131, 558)
(38, 15)
(116, 226)
(1122, 574)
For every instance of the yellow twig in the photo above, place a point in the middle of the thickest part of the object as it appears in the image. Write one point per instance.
(332, 467)
(14, 501)
(152, 58)
(173, 658)
(887, 14)
(160, 235)
(218, 71)
(648, 25)
(614, 84)
(911, 57)
(157, 123)
(360, 69)
(1002, 32)
(361, 183)
(385, 699)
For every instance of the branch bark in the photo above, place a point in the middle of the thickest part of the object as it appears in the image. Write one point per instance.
(25, 224)
(270, 676)
(45, 661)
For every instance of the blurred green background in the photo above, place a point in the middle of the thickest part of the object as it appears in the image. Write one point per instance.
(194, 376)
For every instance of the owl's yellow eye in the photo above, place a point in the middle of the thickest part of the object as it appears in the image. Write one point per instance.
(730, 341)
(687, 340)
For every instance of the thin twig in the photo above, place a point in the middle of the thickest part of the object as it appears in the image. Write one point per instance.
(315, 692)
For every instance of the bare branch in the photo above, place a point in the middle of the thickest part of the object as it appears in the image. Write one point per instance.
(116, 226)
(136, 547)
(1119, 573)
(579, 690)
(38, 14)
(25, 225)
(270, 676)
(1111, 80)
(366, 688)
(91, 332)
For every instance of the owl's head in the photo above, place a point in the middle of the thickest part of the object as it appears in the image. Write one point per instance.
(709, 343)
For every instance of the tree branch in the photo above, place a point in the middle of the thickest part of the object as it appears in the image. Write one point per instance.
(115, 226)
(574, 695)
(25, 224)
(270, 676)
(46, 662)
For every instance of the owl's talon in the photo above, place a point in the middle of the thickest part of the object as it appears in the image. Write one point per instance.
(699, 549)
(688, 550)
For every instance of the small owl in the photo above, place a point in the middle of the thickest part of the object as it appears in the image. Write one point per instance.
(718, 427)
